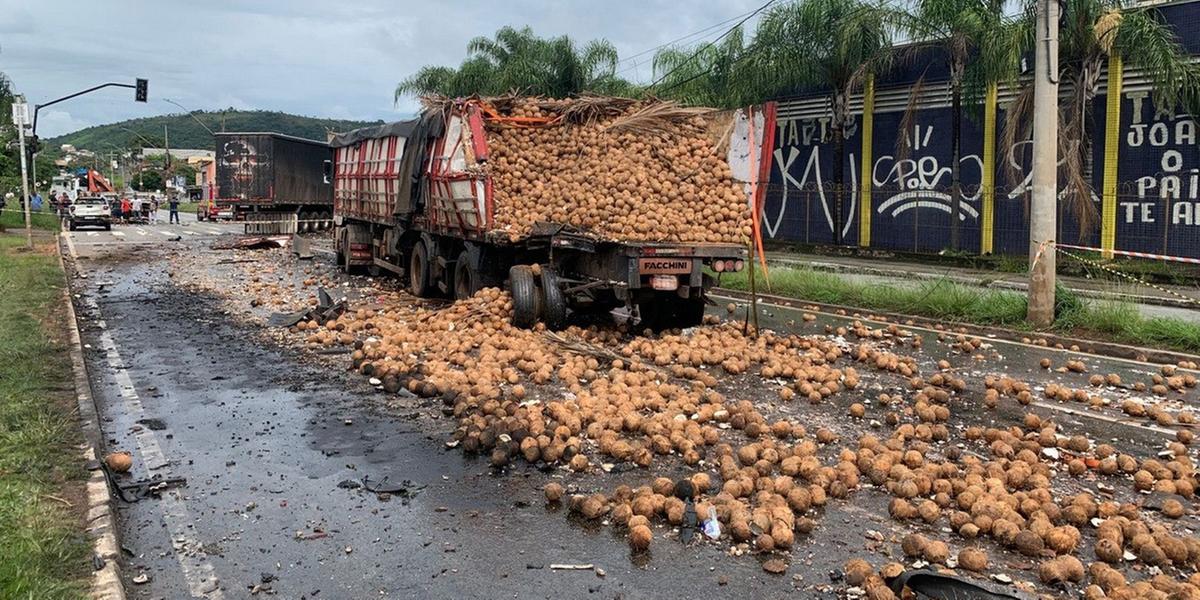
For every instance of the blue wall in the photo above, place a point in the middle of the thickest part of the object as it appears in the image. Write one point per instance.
(1158, 201)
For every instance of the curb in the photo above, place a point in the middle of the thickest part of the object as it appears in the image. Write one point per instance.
(836, 267)
(1112, 349)
(101, 525)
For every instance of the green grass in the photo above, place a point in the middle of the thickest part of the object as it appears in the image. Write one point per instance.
(945, 300)
(12, 219)
(43, 551)
(187, 207)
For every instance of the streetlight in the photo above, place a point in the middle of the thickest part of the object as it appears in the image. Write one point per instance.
(189, 113)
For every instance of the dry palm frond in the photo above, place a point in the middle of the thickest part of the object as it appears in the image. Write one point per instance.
(904, 142)
(586, 348)
(1018, 123)
(1106, 30)
(656, 118)
(589, 108)
(435, 102)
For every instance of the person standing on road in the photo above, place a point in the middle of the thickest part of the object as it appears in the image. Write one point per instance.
(126, 209)
(154, 210)
(173, 201)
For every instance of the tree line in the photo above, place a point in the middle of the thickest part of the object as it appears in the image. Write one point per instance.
(834, 46)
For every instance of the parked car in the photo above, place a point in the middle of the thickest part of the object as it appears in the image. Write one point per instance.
(89, 210)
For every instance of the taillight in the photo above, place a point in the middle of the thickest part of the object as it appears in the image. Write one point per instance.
(739, 265)
(718, 265)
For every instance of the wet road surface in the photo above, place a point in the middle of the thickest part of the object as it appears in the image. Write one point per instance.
(263, 442)
(272, 447)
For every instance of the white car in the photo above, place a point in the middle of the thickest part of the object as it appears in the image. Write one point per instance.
(89, 211)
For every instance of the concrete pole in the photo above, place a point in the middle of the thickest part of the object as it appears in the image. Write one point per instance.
(1044, 216)
(25, 187)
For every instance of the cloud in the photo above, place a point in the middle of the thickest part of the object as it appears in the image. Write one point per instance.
(306, 56)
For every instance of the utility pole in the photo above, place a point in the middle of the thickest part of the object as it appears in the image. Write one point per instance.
(21, 119)
(1043, 223)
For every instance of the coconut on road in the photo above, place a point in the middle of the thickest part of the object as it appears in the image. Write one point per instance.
(827, 439)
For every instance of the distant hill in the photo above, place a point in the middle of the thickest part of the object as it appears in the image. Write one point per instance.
(185, 132)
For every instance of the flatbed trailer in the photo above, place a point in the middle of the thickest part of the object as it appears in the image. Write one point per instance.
(414, 198)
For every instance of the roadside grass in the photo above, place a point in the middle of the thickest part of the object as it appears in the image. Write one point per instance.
(43, 550)
(14, 219)
(185, 207)
(946, 300)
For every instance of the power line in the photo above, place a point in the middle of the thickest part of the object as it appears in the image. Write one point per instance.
(676, 41)
(704, 46)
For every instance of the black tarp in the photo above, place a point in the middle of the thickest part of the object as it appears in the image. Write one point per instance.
(419, 133)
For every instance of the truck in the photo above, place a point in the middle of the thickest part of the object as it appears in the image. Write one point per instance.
(416, 198)
(77, 182)
(274, 182)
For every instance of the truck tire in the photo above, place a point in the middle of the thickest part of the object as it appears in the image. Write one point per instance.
(419, 282)
(554, 304)
(525, 296)
(466, 277)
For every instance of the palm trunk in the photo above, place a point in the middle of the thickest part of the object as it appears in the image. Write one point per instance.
(955, 153)
(840, 108)
(839, 177)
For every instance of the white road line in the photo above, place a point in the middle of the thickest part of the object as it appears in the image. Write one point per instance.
(70, 244)
(141, 232)
(214, 231)
(199, 574)
(190, 232)
(119, 233)
(167, 232)
(93, 233)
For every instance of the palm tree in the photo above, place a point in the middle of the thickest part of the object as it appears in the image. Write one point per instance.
(827, 44)
(708, 75)
(967, 30)
(1092, 33)
(517, 59)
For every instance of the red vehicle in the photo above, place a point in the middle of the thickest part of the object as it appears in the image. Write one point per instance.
(208, 210)
(415, 198)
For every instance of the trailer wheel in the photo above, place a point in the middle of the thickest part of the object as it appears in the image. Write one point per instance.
(418, 271)
(466, 278)
(554, 305)
(525, 296)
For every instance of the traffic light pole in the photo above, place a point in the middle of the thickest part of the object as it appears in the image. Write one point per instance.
(140, 91)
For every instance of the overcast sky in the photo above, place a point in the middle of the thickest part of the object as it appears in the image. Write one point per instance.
(316, 58)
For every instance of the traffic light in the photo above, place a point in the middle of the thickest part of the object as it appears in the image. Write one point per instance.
(139, 93)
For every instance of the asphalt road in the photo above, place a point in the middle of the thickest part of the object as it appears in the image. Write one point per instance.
(270, 444)
(145, 233)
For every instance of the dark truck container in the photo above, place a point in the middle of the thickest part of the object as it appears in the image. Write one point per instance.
(415, 198)
(277, 183)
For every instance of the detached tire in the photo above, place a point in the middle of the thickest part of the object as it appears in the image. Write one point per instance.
(525, 296)
(554, 305)
(418, 271)
(466, 277)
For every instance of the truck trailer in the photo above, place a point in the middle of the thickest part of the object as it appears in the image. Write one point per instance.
(276, 183)
(416, 198)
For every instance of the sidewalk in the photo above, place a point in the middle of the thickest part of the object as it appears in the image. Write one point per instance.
(1151, 302)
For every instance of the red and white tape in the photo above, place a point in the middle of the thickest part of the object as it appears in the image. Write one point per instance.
(1182, 259)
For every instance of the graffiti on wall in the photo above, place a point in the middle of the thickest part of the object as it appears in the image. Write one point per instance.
(797, 163)
(919, 180)
(1169, 140)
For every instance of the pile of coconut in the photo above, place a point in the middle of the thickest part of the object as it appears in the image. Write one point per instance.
(618, 168)
(587, 398)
